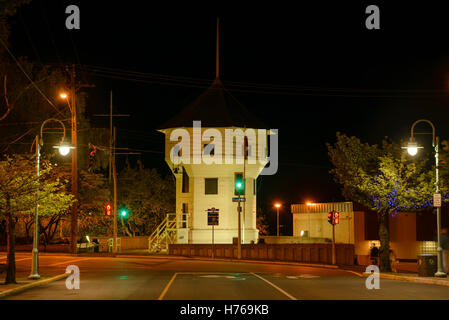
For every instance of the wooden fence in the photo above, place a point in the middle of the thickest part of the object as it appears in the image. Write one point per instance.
(311, 253)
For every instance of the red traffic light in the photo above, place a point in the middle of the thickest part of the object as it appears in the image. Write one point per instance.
(336, 217)
(108, 209)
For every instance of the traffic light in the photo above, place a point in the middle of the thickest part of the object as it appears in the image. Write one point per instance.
(108, 209)
(124, 212)
(239, 184)
(336, 217)
(330, 217)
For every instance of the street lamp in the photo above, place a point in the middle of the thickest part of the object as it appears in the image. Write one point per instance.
(277, 205)
(64, 150)
(412, 148)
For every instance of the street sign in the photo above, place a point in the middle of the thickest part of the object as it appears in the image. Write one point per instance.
(237, 199)
(212, 218)
(437, 200)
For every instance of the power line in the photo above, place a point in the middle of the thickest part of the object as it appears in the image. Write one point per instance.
(248, 87)
(28, 77)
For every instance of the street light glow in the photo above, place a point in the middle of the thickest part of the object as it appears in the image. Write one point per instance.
(64, 150)
(277, 205)
(63, 95)
(412, 150)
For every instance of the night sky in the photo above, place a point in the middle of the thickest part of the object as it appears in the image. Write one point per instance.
(307, 70)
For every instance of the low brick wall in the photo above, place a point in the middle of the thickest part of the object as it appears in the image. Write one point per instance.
(312, 253)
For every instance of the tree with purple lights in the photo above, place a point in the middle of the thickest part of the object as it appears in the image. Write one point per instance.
(384, 179)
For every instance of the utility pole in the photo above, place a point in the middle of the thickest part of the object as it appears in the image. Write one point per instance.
(111, 134)
(114, 174)
(74, 222)
(73, 109)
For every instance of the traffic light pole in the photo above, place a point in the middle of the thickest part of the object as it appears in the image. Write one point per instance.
(213, 246)
(239, 239)
(333, 243)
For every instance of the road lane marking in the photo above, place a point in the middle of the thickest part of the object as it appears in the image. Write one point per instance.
(19, 259)
(213, 272)
(274, 286)
(356, 273)
(166, 287)
(63, 262)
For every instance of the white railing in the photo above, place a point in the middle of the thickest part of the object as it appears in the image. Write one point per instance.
(165, 234)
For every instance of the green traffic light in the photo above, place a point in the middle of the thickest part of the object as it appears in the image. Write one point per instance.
(239, 185)
(124, 213)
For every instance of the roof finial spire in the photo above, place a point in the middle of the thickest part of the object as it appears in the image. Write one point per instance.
(217, 62)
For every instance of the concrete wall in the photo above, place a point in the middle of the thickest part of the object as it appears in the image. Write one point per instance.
(311, 253)
(318, 227)
(352, 230)
(403, 235)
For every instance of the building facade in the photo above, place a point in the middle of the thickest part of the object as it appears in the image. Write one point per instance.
(411, 233)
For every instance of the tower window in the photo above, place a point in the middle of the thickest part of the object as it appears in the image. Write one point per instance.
(185, 181)
(211, 147)
(211, 186)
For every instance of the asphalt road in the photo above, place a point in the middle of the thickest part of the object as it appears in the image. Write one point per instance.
(143, 278)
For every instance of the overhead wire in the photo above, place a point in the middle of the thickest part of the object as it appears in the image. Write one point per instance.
(261, 87)
(27, 76)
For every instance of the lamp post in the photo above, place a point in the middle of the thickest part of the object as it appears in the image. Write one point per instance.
(277, 205)
(412, 149)
(63, 150)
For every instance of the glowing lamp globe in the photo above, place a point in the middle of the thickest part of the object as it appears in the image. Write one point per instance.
(412, 148)
(64, 150)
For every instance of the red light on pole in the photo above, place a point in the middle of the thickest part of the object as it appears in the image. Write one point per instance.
(336, 217)
(330, 217)
(108, 209)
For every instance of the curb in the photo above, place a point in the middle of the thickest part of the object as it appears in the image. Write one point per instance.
(429, 280)
(32, 285)
(326, 266)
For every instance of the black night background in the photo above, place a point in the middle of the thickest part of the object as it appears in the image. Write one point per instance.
(307, 70)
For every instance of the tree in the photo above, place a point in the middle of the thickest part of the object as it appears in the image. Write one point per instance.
(262, 226)
(93, 196)
(20, 190)
(383, 179)
(147, 196)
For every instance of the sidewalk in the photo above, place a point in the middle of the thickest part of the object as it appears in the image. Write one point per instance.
(23, 283)
(408, 271)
